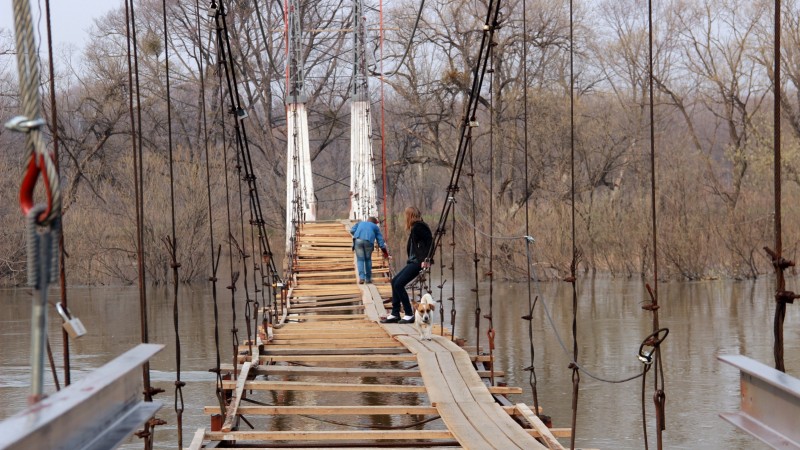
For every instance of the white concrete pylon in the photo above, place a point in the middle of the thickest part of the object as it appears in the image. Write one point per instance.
(299, 181)
(363, 195)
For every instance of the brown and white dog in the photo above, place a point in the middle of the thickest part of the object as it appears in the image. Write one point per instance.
(423, 316)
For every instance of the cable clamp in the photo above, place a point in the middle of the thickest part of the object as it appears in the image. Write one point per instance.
(24, 125)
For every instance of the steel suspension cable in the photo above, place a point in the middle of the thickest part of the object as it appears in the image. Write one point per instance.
(659, 397)
(234, 275)
(453, 311)
(408, 45)
(136, 144)
(172, 242)
(475, 259)
(242, 140)
(490, 333)
(779, 263)
(531, 303)
(214, 256)
(62, 273)
(576, 377)
(478, 73)
(242, 248)
(383, 129)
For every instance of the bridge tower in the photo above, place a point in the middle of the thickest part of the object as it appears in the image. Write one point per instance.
(363, 195)
(301, 204)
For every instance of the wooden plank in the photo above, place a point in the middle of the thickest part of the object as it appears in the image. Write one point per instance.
(237, 397)
(455, 383)
(377, 299)
(330, 371)
(287, 350)
(325, 317)
(485, 426)
(199, 435)
(537, 424)
(314, 304)
(349, 334)
(509, 427)
(462, 430)
(330, 410)
(347, 358)
(325, 387)
(298, 309)
(439, 445)
(371, 343)
(353, 333)
(328, 435)
(328, 326)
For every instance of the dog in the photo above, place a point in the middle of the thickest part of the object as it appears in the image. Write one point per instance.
(423, 319)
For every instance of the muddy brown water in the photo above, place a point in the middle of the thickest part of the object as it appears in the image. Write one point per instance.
(705, 319)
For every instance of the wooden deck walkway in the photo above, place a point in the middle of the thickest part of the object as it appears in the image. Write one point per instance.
(331, 376)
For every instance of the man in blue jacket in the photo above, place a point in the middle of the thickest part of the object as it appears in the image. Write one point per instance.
(364, 236)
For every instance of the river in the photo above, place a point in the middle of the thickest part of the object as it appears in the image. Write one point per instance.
(704, 318)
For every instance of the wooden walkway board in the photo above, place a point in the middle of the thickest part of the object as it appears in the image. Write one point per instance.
(331, 357)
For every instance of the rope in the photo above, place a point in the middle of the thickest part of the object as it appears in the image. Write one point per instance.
(560, 340)
(37, 158)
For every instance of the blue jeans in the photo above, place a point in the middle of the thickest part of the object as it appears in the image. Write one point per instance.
(364, 259)
(399, 282)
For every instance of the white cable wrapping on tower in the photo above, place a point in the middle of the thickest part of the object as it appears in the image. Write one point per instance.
(297, 152)
(363, 192)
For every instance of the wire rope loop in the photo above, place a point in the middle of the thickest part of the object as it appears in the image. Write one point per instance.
(653, 340)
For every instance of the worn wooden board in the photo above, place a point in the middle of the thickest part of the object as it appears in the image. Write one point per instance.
(338, 359)
(331, 410)
(260, 385)
(537, 424)
(230, 417)
(329, 435)
(197, 440)
(461, 428)
(506, 424)
(295, 350)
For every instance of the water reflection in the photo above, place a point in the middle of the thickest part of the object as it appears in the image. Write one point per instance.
(705, 319)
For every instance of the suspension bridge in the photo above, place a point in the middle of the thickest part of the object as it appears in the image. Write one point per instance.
(317, 368)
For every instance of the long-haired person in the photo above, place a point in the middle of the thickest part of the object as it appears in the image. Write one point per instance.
(420, 240)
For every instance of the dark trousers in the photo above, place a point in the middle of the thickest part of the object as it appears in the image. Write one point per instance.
(399, 294)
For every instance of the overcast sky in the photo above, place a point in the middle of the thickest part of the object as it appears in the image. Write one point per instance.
(70, 19)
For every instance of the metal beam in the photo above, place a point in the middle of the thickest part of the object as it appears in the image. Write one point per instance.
(98, 412)
(770, 403)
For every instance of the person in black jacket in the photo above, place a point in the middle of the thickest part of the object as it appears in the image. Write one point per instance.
(420, 240)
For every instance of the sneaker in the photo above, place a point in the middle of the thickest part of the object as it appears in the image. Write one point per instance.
(369, 281)
(390, 319)
(407, 319)
(360, 281)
